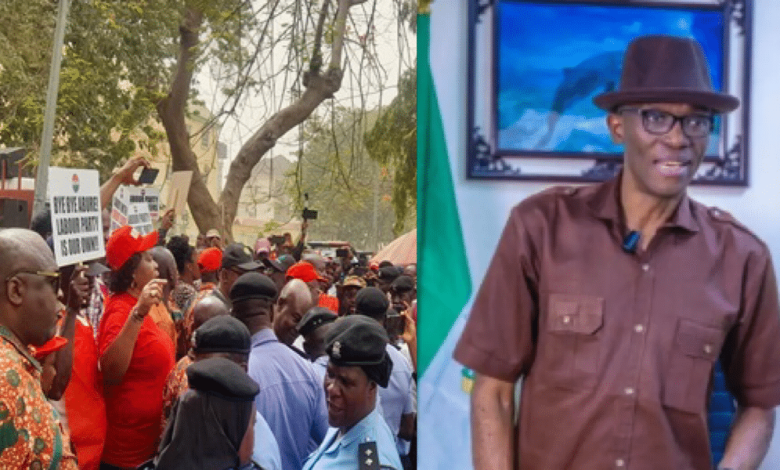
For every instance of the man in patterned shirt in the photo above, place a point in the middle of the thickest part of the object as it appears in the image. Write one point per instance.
(30, 431)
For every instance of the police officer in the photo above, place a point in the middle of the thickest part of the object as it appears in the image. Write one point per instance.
(314, 327)
(359, 437)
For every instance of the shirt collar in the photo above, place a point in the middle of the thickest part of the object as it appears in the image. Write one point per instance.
(362, 429)
(605, 204)
(6, 334)
(266, 335)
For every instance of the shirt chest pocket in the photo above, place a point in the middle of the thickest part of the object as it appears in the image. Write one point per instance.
(693, 354)
(571, 349)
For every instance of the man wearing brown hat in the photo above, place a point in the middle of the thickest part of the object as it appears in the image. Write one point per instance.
(614, 301)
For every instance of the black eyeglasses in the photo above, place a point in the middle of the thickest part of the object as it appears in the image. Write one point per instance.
(659, 122)
(52, 277)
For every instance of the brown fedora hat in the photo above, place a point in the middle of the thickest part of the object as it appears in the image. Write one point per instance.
(666, 69)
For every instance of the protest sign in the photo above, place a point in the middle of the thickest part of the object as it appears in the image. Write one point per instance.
(137, 207)
(77, 228)
(180, 188)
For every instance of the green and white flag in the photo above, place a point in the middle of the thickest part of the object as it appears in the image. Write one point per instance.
(444, 282)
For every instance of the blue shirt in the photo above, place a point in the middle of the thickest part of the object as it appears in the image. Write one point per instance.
(266, 452)
(398, 398)
(342, 454)
(291, 398)
(321, 367)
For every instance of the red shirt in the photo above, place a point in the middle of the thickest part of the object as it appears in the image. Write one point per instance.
(329, 302)
(84, 401)
(134, 407)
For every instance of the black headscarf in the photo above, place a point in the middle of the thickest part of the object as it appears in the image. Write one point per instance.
(210, 420)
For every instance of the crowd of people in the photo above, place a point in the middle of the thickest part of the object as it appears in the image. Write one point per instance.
(170, 354)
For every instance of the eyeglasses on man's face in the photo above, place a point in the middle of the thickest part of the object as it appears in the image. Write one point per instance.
(52, 277)
(657, 122)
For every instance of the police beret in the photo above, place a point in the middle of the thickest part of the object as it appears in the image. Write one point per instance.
(224, 334)
(223, 378)
(371, 301)
(280, 264)
(389, 273)
(236, 255)
(402, 284)
(360, 341)
(314, 318)
(252, 285)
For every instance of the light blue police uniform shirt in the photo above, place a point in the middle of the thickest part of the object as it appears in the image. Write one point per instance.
(342, 454)
(266, 452)
(398, 398)
(291, 397)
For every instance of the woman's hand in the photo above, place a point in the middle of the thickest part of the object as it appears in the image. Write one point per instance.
(151, 295)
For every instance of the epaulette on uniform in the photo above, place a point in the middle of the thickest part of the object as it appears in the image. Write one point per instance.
(368, 457)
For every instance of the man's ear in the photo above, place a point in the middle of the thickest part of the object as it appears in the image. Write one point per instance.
(616, 127)
(14, 290)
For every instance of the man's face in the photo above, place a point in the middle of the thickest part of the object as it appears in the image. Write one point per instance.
(398, 298)
(38, 293)
(315, 288)
(192, 266)
(314, 342)
(228, 276)
(289, 312)
(348, 294)
(350, 395)
(660, 166)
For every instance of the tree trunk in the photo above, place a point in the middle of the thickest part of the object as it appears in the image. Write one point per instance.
(319, 86)
(172, 110)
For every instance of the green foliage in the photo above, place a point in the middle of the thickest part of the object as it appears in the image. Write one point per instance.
(342, 182)
(117, 64)
(393, 143)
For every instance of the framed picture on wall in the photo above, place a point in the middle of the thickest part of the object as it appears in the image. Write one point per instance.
(535, 66)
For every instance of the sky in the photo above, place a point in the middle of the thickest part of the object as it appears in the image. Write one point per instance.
(394, 50)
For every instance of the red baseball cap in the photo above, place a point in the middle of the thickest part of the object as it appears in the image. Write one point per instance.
(210, 259)
(124, 242)
(304, 271)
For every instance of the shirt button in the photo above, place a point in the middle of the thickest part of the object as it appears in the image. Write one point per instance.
(566, 320)
(639, 328)
(707, 349)
(645, 267)
(629, 391)
(620, 463)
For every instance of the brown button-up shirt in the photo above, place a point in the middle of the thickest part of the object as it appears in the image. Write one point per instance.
(617, 349)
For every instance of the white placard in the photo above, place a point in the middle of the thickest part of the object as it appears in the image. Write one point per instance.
(133, 206)
(77, 228)
(179, 190)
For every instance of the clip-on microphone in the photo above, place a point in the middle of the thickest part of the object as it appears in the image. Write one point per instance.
(631, 241)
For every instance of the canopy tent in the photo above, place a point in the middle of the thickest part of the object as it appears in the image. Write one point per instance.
(401, 251)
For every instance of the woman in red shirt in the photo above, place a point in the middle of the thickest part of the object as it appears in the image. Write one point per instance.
(135, 355)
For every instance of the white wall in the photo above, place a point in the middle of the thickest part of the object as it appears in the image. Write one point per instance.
(485, 205)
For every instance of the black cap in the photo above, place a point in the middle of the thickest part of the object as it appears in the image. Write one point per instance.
(281, 264)
(359, 341)
(372, 302)
(223, 378)
(224, 334)
(389, 273)
(236, 255)
(252, 285)
(402, 283)
(315, 318)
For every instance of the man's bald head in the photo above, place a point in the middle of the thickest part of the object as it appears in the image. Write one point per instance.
(208, 308)
(293, 303)
(23, 249)
(28, 304)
